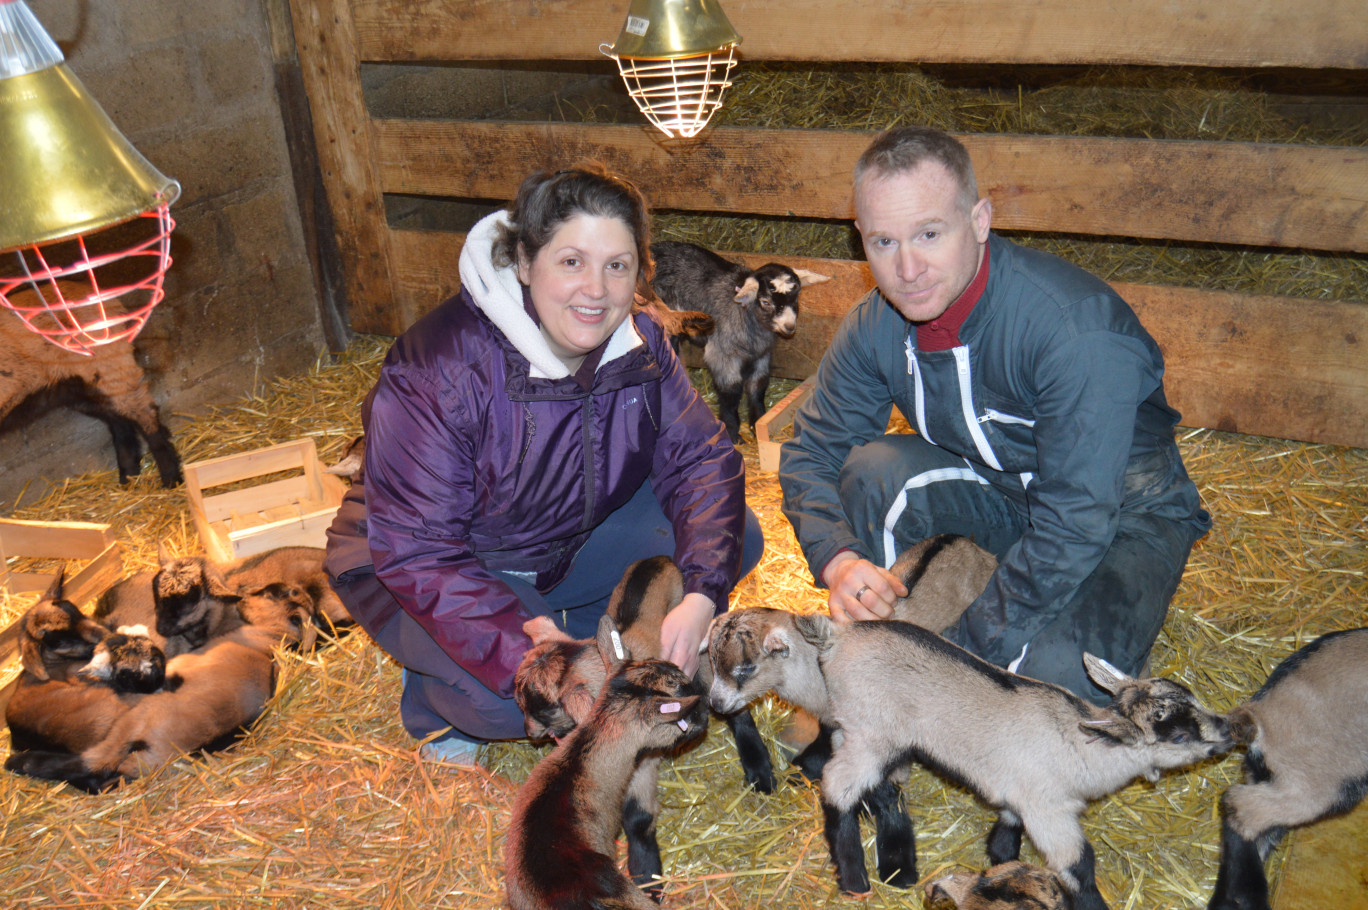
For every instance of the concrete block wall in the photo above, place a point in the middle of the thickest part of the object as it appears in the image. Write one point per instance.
(191, 83)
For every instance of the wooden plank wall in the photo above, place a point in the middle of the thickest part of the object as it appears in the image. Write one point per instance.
(1279, 367)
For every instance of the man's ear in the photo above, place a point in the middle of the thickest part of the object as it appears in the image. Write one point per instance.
(981, 216)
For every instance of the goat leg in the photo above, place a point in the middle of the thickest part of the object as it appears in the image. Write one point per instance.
(639, 811)
(842, 829)
(1004, 841)
(1240, 882)
(812, 760)
(895, 840)
(752, 751)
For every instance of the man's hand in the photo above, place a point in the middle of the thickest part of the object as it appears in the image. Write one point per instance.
(859, 589)
(683, 629)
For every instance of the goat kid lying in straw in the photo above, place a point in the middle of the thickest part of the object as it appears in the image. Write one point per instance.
(894, 692)
(97, 724)
(561, 852)
(560, 677)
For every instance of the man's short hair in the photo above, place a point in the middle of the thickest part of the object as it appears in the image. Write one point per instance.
(904, 148)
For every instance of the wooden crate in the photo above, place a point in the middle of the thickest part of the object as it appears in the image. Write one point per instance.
(776, 419)
(293, 511)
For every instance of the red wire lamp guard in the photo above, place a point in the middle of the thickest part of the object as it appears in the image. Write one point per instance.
(85, 216)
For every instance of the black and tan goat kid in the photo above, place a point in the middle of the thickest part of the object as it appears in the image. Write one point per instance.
(943, 575)
(52, 708)
(561, 852)
(894, 692)
(560, 677)
(1009, 886)
(210, 695)
(749, 308)
(1307, 735)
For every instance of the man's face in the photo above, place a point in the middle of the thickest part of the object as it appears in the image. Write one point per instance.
(923, 245)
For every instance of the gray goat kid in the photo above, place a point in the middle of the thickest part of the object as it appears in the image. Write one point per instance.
(560, 853)
(943, 575)
(895, 692)
(1307, 735)
(559, 678)
(749, 308)
(1008, 886)
(109, 385)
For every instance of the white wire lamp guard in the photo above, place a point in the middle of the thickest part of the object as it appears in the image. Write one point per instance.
(85, 215)
(675, 57)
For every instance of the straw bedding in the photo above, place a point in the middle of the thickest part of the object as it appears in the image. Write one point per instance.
(325, 803)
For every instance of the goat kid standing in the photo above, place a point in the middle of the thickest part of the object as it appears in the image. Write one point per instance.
(895, 692)
(560, 853)
(748, 307)
(108, 385)
(1307, 733)
(559, 678)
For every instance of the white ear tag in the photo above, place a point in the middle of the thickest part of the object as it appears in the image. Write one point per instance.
(617, 648)
(672, 707)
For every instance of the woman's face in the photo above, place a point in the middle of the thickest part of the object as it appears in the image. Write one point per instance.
(582, 282)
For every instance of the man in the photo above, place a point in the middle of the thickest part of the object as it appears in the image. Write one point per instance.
(1042, 431)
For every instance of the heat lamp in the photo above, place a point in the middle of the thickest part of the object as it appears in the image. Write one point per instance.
(675, 57)
(85, 222)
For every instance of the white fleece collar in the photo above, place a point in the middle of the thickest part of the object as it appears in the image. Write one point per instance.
(498, 294)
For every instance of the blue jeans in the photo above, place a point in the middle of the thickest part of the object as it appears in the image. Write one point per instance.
(438, 693)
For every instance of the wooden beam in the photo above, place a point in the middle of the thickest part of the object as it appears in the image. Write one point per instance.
(1268, 366)
(326, 37)
(1232, 192)
(1220, 33)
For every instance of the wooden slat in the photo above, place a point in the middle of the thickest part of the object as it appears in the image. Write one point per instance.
(53, 539)
(1233, 363)
(331, 70)
(1229, 192)
(1310, 33)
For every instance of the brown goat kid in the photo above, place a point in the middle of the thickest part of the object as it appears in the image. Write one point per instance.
(561, 852)
(1008, 886)
(211, 694)
(560, 677)
(1307, 733)
(895, 692)
(108, 385)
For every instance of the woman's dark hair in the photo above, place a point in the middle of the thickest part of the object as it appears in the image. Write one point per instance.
(548, 199)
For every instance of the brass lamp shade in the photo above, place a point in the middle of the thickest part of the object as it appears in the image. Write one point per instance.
(67, 169)
(667, 29)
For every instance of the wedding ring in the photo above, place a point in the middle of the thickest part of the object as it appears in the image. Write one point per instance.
(860, 593)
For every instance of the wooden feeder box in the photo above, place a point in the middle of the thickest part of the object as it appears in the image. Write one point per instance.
(64, 540)
(776, 419)
(294, 511)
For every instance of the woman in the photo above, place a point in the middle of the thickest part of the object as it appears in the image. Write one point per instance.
(526, 442)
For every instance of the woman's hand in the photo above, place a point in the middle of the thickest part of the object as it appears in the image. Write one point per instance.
(683, 629)
(859, 589)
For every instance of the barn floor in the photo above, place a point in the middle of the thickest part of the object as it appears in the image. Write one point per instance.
(325, 803)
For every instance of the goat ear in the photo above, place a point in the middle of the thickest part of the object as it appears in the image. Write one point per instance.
(747, 292)
(163, 554)
(815, 629)
(215, 584)
(54, 591)
(776, 643)
(543, 629)
(1104, 674)
(1113, 727)
(707, 636)
(806, 278)
(1243, 727)
(670, 710)
(610, 644)
(31, 657)
(577, 702)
